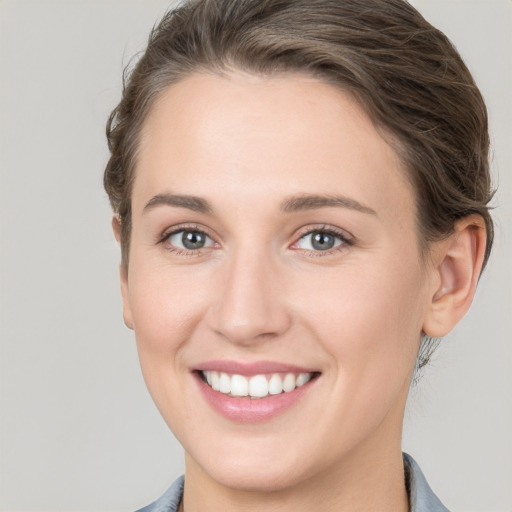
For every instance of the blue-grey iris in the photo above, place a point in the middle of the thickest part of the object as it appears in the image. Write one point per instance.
(322, 241)
(193, 240)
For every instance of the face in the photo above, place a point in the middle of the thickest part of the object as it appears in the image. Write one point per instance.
(275, 283)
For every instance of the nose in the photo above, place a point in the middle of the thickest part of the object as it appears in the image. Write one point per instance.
(250, 305)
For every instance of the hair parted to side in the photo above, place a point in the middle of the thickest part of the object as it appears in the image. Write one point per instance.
(404, 72)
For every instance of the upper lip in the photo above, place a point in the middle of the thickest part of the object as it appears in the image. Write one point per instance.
(251, 368)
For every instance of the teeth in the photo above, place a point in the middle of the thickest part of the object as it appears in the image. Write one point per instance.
(239, 385)
(289, 383)
(257, 386)
(214, 377)
(302, 379)
(225, 383)
(275, 385)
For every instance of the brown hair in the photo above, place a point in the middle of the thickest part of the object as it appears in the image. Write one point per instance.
(404, 72)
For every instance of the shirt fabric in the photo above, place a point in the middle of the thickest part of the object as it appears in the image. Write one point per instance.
(421, 496)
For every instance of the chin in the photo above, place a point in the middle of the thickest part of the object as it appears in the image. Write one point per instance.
(254, 465)
(251, 477)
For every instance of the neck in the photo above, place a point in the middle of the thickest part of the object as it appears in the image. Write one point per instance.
(365, 481)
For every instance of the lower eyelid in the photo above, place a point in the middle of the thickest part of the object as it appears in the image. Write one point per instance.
(333, 252)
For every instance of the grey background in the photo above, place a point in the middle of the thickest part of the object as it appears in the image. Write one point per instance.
(78, 429)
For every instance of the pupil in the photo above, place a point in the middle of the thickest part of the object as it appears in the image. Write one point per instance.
(322, 241)
(192, 240)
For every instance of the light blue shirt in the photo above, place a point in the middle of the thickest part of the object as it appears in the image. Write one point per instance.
(421, 496)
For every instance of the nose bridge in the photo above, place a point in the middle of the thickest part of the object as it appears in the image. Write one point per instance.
(250, 306)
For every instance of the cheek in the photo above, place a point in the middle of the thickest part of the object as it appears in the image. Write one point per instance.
(369, 322)
(166, 307)
(369, 318)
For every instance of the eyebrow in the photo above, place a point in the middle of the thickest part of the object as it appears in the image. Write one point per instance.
(312, 202)
(293, 204)
(196, 204)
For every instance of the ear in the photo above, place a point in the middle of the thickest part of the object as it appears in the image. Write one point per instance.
(123, 275)
(457, 263)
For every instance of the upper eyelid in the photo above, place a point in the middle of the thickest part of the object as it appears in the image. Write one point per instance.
(307, 230)
(166, 233)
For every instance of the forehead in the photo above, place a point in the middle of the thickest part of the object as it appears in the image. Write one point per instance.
(240, 136)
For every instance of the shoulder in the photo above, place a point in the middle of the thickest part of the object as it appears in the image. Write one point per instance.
(169, 501)
(421, 496)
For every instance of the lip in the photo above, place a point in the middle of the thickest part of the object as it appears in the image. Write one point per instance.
(247, 409)
(252, 368)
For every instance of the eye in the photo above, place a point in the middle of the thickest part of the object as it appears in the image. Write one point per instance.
(189, 240)
(320, 240)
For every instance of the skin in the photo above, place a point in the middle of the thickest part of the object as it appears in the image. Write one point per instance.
(258, 291)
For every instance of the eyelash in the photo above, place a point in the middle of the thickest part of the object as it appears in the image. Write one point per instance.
(346, 241)
(193, 228)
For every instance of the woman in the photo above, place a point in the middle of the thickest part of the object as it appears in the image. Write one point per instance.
(300, 192)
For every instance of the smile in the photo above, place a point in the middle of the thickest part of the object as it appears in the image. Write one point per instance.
(253, 392)
(256, 386)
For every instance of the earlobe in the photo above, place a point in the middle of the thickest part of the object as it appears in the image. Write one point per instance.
(458, 262)
(123, 277)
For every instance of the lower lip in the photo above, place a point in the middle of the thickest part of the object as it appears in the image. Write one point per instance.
(251, 410)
